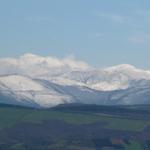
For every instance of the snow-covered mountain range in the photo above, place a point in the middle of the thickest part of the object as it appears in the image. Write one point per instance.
(36, 81)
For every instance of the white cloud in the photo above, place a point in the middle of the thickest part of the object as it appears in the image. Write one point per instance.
(142, 13)
(30, 64)
(113, 17)
(139, 39)
(39, 19)
(96, 35)
(99, 35)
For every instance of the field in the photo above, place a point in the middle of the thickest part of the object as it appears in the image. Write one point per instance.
(75, 127)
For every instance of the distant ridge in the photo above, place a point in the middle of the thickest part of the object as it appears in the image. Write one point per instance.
(44, 82)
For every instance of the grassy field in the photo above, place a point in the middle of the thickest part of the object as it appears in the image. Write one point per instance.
(11, 116)
(24, 128)
(133, 146)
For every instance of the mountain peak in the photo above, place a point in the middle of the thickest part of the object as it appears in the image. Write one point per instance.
(122, 67)
(29, 55)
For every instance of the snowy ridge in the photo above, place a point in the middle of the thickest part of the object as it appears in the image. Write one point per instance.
(26, 89)
(37, 81)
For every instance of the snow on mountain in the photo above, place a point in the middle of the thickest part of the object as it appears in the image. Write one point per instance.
(29, 91)
(112, 78)
(16, 82)
(129, 71)
(37, 81)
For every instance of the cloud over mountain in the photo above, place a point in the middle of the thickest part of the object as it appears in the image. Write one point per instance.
(37, 81)
(30, 64)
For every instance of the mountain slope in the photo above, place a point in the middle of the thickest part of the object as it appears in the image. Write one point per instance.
(29, 92)
(37, 81)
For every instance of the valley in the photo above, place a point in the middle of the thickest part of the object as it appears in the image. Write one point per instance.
(75, 127)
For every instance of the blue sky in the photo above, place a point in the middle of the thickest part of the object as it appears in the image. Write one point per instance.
(100, 32)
